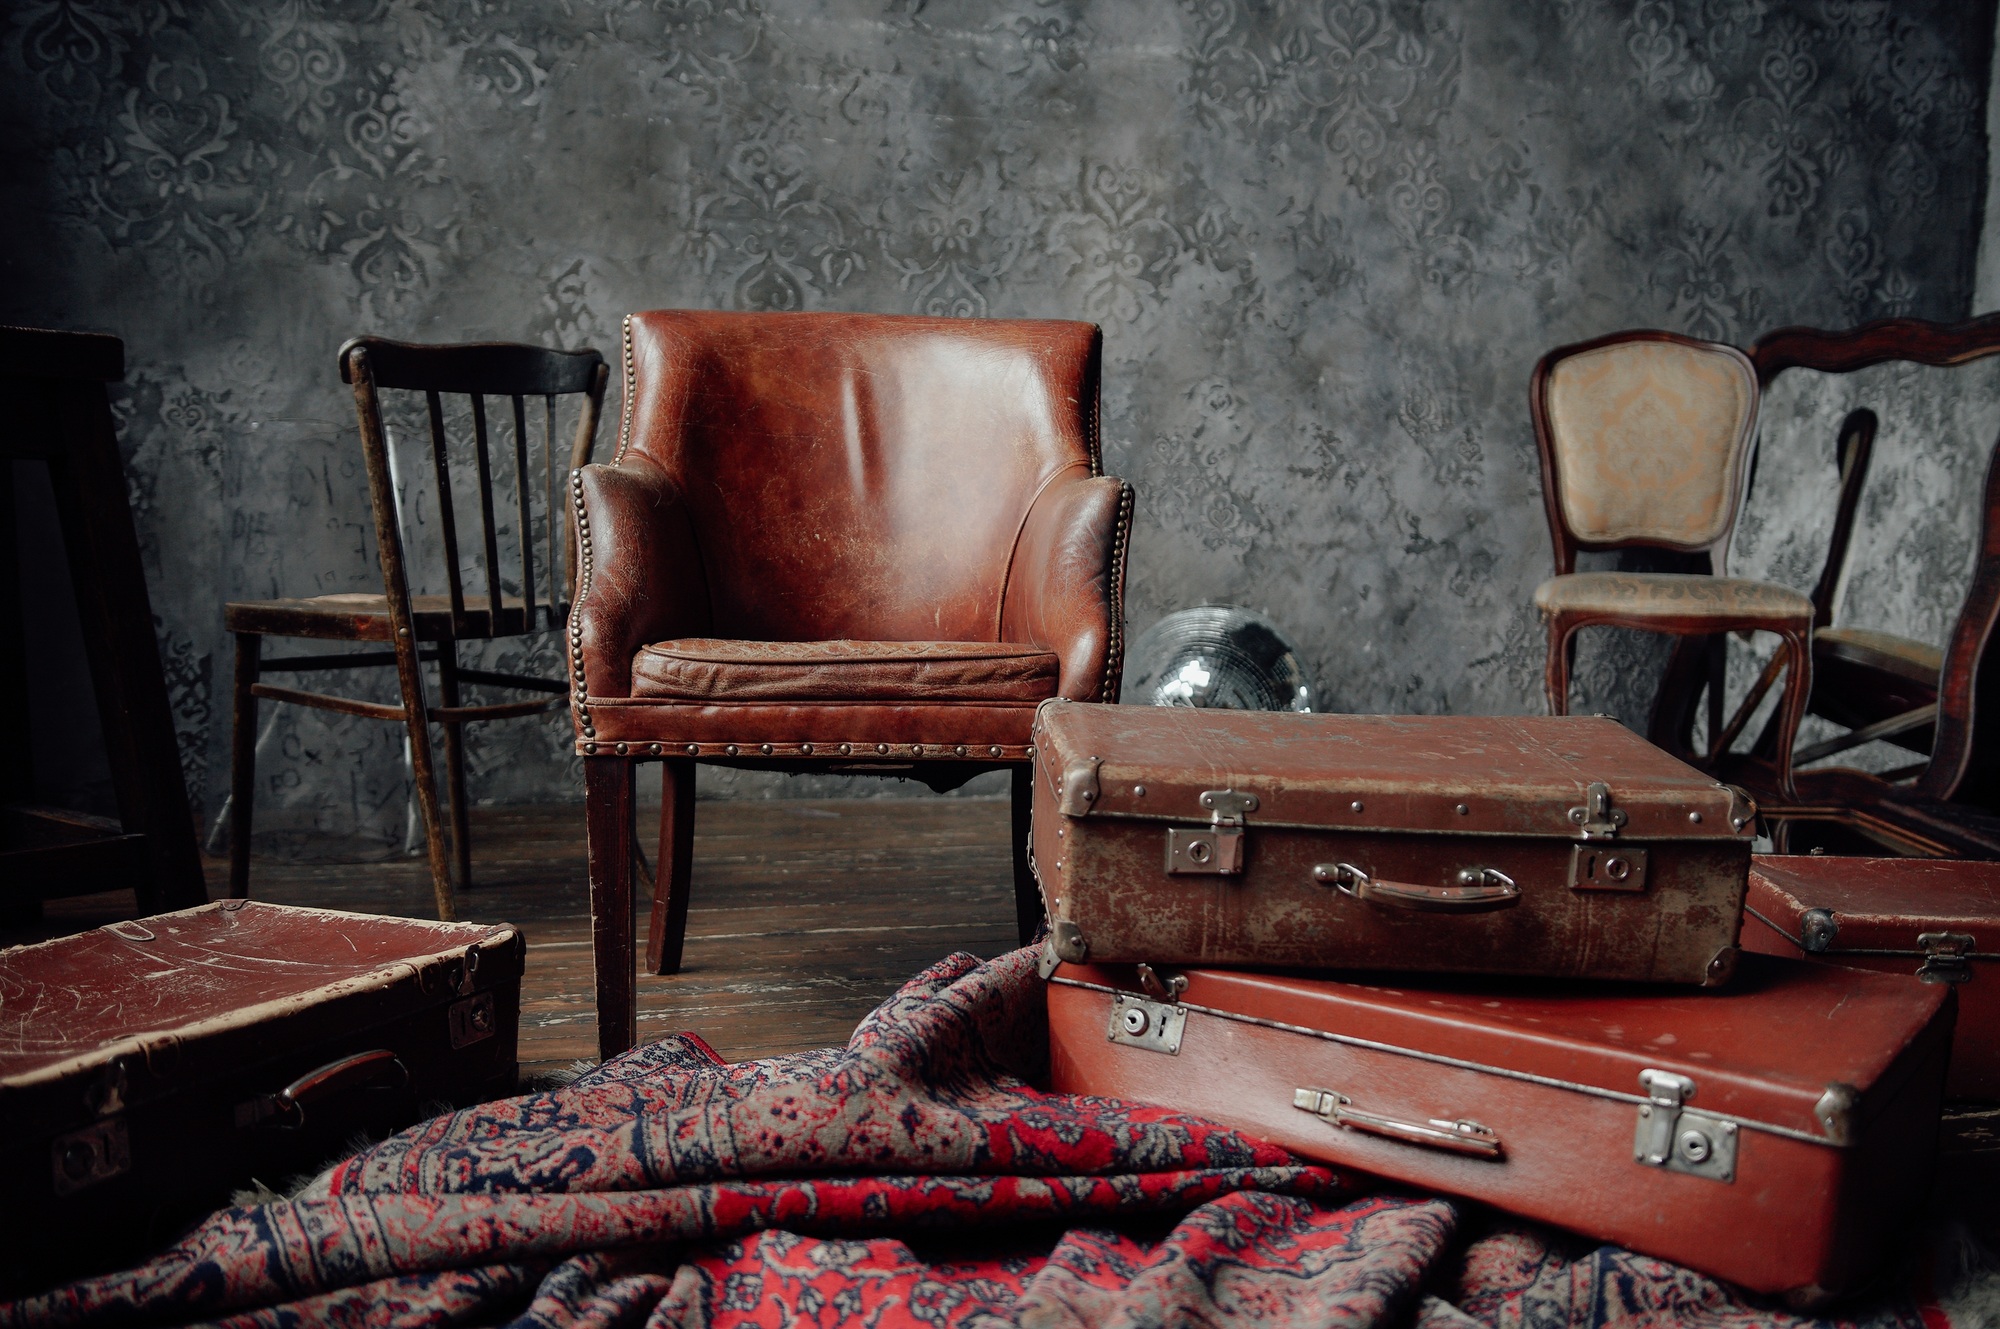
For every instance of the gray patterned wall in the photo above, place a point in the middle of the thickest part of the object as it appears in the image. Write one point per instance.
(1326, 242)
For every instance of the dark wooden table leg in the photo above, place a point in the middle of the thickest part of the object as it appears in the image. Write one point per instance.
(608, 815)
(1027, 892)
(666, 931)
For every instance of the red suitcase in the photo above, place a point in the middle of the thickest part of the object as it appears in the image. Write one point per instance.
(1935, 919)
(149, 1067)
(1567, 847)
(1776, 1133)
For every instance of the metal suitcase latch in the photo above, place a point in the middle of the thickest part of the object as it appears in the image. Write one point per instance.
(1452, 1136)
(1155, 1026)
(1595, 818)
(1947, 957)
(1678, 1138)
(1216, 849)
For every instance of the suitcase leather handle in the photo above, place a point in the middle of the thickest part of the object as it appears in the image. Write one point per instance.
(1478, 890)
(364, 1070)
(1457, 1137)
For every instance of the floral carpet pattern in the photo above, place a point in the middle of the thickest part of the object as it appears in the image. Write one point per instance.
(912, 1178)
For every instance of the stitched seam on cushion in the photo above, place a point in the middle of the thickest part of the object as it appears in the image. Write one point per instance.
(1114, 655)
(1014, 550)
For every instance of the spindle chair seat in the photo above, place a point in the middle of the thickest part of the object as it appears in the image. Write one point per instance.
(426, 629)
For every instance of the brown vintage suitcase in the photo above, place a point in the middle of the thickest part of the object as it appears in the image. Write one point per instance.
(149, 1067)
(1935, 919)
(1777, 1133)
(1561, 846)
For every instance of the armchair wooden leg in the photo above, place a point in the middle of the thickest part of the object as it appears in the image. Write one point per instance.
(423, 771)
(666, 930)
(607, 803)
(1555, 674)
(243, 762)
(454, 764)
(1027, 892)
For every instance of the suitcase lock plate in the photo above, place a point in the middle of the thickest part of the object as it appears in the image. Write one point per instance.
(1216, 850)
(1155, 1026)
(1607, 868)
(96, 1153)
(1678, 1138)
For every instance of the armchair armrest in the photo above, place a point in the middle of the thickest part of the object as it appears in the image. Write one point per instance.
(641, 576)
(1066, 582)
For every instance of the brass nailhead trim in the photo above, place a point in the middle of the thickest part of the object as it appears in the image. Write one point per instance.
(995, 749)
(631, 385)
(590, 749)
(960, 749)
(731, 749)
(1114, 655)
(656, 749)
(694, 749)
(916, 749)
(764, 748)
(806, 748)
(621, 749)
(882, 748)
(846, 749)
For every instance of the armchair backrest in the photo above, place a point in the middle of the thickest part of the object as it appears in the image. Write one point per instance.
(1644, 439)
(857, 475)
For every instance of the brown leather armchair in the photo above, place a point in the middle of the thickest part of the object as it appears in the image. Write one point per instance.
(832, 542)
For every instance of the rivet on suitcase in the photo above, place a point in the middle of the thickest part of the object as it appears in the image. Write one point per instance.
(1778, 1133)
(1563, 846)
(149, 1067)
(1931, 920)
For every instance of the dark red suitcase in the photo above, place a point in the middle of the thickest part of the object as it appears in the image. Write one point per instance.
(149, 1067)
(1777, 1133)
(1567, 847)
(1936, 920)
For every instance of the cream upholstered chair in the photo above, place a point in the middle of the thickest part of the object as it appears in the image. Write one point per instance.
(1645, 438)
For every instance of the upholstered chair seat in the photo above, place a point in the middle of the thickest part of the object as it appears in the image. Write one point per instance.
(833, 542)
(1722, 603)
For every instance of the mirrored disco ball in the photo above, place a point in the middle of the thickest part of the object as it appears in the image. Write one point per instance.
(1221, 656)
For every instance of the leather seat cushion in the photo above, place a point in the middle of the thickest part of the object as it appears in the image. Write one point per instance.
(713, 670)
(1640, 596)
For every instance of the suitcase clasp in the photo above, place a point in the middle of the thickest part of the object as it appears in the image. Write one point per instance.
(1217, 849)
(1595, 818)
(1677, 1138)
(1947, 957)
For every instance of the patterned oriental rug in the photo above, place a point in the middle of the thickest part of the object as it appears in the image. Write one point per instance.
(912, 1178)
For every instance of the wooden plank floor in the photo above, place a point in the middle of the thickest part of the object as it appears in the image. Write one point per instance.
(805, 914)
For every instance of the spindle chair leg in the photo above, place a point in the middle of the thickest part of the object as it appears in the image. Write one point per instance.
(243, 762)
(423, 772)
(454, 763)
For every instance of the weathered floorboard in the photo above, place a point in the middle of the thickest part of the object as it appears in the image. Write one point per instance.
(803, 915)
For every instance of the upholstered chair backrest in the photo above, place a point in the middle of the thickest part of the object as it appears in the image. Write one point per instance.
(1648, 438)
(858, 476)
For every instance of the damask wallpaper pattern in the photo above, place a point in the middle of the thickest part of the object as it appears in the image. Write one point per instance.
(1326, 242)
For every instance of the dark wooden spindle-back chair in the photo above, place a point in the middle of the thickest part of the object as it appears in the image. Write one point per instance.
(426, 629)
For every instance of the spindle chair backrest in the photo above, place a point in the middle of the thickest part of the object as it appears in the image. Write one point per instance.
(515, 373)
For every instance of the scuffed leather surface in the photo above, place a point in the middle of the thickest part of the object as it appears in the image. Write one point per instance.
(1649, 439)
(1639, 595)
(858, 476)
(1066, 583)
(641, 574)
(803, 479)
(708, 669)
